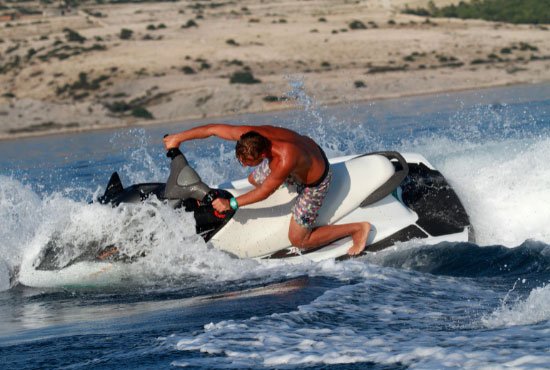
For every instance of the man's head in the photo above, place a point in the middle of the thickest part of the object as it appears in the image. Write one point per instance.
(252, 148)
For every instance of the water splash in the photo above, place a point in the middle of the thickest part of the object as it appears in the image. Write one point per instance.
(139, 164)
(531, 310)
(336, 135)
(20, 213)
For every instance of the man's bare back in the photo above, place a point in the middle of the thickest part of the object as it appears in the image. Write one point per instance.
(309, 163)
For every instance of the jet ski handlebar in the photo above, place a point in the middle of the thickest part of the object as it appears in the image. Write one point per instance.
(184, 182)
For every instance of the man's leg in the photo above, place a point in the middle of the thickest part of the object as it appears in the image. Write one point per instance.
(305, 238)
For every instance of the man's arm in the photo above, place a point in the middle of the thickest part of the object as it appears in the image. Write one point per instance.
(221, 130)
(280, 171)
(266, 188)
(251, 180)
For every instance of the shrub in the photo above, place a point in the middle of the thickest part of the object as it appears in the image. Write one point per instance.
(188, 70)
(270, 99)
(235, 62)
(512, 11)
(73, 36)
(118, 106)
(418, 11)
(30, 53)
(479, 61)
(357, 25)
(523, 46)
(82, 84)
(141, 112)
(190, 23)
(243, 77)
(126, 34)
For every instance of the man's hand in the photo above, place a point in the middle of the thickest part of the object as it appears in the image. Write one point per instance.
(171, 141)
(221, 204)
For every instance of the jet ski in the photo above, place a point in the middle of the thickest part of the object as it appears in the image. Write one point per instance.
(402, 195)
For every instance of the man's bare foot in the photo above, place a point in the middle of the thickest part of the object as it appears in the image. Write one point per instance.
(359, 239)
(107, 252)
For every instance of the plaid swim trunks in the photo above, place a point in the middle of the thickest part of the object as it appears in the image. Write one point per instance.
(309, 199)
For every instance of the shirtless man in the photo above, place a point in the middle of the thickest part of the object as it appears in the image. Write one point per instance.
(282, 156)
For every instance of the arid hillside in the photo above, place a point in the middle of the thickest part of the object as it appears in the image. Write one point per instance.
(97, 66)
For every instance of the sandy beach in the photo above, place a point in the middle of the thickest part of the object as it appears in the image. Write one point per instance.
(101, 66)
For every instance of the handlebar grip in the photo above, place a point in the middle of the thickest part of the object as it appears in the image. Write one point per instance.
(173, 152)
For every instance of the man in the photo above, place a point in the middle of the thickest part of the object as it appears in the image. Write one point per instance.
(282, 156)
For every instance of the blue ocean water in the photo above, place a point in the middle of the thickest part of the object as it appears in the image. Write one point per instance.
(452, 305)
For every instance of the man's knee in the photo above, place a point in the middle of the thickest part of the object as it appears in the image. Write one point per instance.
(296, 240)
(297, 234)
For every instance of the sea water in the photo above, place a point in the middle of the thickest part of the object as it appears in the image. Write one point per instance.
(452, 305)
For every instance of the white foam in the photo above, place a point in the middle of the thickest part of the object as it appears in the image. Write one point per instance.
(349, 324)
(503, 184)
(20, 213)
(535, 308)
(167, 236)
(4, 276)
(175, 254)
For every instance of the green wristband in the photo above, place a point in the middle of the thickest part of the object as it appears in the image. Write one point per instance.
(233, 204)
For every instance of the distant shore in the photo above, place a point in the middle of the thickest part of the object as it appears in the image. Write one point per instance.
(112, 66)
(188, 120)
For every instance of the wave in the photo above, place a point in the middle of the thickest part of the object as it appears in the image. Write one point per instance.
(384, 317)
(530, 260)
(163, 242)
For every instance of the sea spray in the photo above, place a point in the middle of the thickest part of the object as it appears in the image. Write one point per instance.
(159, 244)
(337, 136)
(504, 185)
(20, 212)
(143, 160)
(531, 310)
